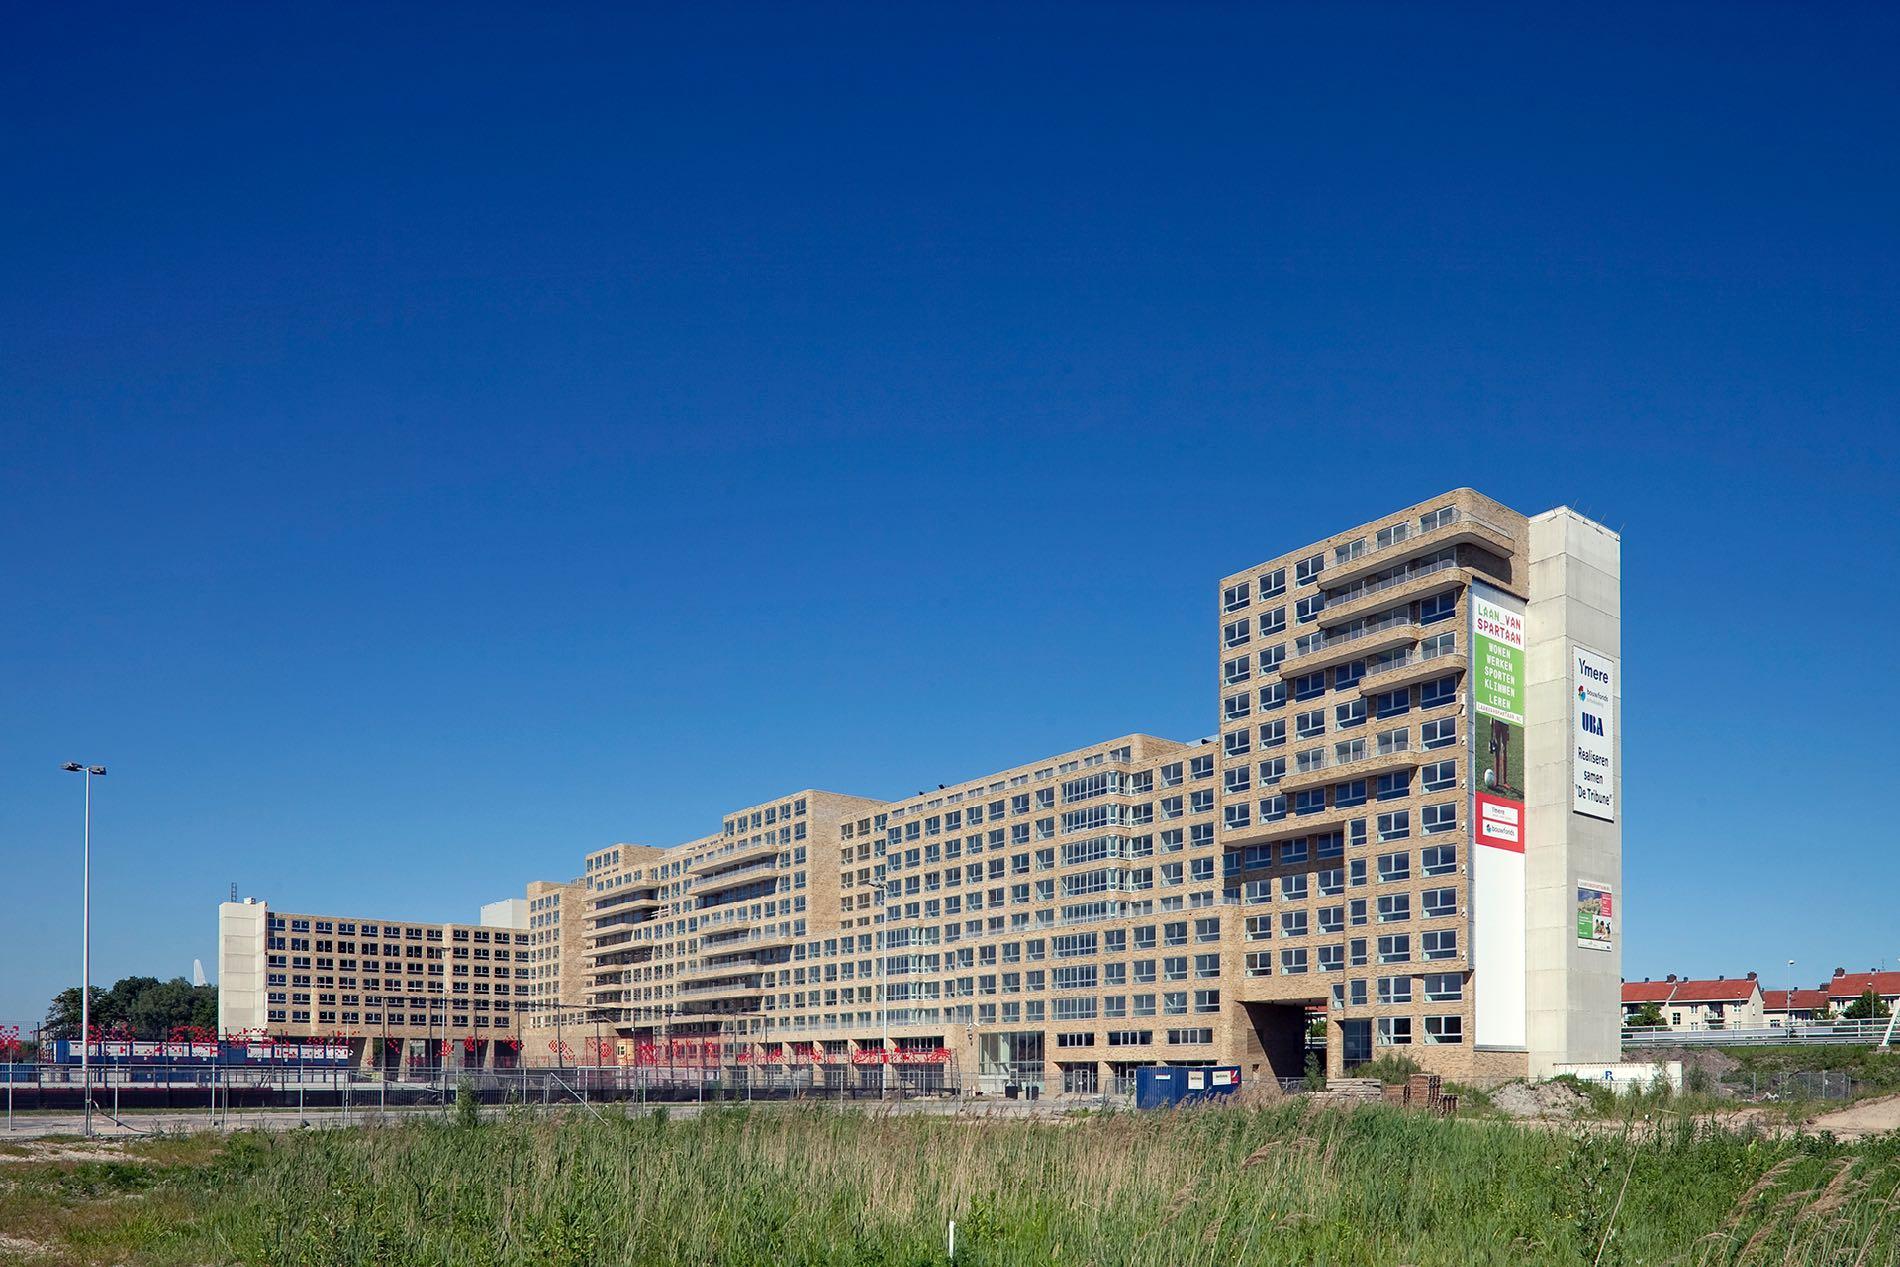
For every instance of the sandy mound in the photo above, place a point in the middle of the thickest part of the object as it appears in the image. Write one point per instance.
(1538, 1100)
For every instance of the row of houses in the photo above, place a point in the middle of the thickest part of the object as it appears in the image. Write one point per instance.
(1741, 1003)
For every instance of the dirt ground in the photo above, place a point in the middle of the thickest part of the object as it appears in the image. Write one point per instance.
(1869, 1117)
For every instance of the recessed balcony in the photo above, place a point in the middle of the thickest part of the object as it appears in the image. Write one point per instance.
(1413, 668)
(702, 885)
(1462, 528)
(732, 855)
(1355, 763)
(1323, 650)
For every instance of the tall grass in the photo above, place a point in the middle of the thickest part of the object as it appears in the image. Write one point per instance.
(1270, 1186)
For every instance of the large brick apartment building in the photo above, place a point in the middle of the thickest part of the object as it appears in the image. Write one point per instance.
(1406, 822)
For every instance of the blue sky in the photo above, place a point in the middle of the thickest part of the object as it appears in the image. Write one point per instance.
(434, 448)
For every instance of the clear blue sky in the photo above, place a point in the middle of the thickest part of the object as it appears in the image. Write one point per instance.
(438, 445)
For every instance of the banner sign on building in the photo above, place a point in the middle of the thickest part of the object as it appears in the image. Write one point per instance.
(1593, 735)
(1497, 709)
(1596, 915)
(1495, 685)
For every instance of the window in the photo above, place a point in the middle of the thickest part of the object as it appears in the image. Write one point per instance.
(1444, 1029)
(1190, 1037)
(1395, 1031)
(1306, 571)
(1391, 703)
(1350, 714)
(1395, 989)
(1394, 866)
(1308, 609)
(1394, 785)
(1271, 657)
(1440, 518)
(1273, 584)
(1273, 733)
(1442, 944)
(1272, 622)
(1439, 734)
(1237, 670)
(1444, 987)
(1310, 725)
(1438, 776)
(1438, 860)
(1395, 948)
(1235, 633)
(1292, 923)
(1437, 818)
(1438, 903)
(1309, 685)
(1293, 962)
(1396, 825)
(1395, 907)
(1439, 693)
(1332, 958)
(1347, 675)
(1235, 597)
(1438, 607)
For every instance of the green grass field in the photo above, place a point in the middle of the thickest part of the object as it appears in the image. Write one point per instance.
(771, 1186)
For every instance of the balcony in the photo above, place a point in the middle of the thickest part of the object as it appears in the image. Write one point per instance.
(626, 899)
(1322, 650)
(738, 875)
(706, 991)
(1290, 826)
(1359, 762)
(1463, 528)
(727, 940)
(1409, 670)
(718, 970)
(737, 852)
(1421, 580)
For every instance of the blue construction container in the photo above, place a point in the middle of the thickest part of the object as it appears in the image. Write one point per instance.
(1166, 1086)
(1210, 1082)
(1158, 1086)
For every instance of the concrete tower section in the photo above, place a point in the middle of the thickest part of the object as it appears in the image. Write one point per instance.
(243, 938)
(1573, 916)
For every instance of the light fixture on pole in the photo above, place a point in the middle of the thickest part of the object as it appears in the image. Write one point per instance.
(85, 939)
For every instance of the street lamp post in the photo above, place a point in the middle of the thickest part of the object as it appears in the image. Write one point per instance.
(85, 935)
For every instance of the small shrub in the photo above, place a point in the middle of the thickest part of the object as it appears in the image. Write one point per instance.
(468, 1109)
(1315, 1073)
(1393, 1068)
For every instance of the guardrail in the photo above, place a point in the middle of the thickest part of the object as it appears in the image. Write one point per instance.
(1871, 1032)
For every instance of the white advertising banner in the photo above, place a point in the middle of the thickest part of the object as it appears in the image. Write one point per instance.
(1593, 734)
(1496, 687)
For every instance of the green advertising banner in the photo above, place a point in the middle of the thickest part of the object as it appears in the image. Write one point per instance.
(1497, 659)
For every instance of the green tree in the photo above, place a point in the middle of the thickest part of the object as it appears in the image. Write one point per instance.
(1868, 1007)
(1648, 1016)
(147, 1007)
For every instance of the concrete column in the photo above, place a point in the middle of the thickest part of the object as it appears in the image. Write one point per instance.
(1573, 1007)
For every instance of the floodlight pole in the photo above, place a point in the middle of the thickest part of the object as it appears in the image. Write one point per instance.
(85, 939)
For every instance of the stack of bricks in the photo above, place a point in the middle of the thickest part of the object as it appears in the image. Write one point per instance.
(1421, 1091)
(1348, 1091)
